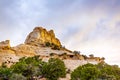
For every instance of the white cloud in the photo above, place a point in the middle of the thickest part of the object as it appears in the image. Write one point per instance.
(103, 47)
(94, 24)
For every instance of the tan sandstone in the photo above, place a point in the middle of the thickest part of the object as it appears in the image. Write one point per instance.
(40, 36)
(5, 44)
(32, 46)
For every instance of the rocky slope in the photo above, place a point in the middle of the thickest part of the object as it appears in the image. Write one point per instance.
(44, 43)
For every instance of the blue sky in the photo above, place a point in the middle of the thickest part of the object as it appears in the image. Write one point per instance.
(89, 26)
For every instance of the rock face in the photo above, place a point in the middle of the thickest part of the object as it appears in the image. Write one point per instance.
(24, 50)
(40, 36)
(5, 44)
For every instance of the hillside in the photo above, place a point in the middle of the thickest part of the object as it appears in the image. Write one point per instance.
(45, 44)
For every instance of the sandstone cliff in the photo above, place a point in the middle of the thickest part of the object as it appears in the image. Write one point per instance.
(34, 46)
(41, 36)
(5, 44)
(9, 55)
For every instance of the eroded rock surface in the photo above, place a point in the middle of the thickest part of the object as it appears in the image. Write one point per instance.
(32, 47)
(5, 44)
(41, 36)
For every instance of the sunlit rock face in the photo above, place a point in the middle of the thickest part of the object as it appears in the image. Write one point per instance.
(35, 45)
(40, 36)
(5, 44)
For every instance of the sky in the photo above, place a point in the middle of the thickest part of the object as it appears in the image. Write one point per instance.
(88, 26)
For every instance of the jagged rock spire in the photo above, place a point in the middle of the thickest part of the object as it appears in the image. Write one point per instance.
(40, 35)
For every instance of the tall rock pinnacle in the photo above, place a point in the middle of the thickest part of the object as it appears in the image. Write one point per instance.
(40, 35)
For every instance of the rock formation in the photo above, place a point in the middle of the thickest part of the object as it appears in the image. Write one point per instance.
(5, 51)
(41, 36)
(32, 46)
(5, 44)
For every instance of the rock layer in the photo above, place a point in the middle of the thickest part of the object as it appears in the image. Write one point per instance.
(40, 36)
(5, 44)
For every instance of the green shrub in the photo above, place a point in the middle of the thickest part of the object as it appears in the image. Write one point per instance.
(108, 72)
(55, 47)
(4, 73)
(101, 71)
(76, 52)
(28, 67)
(48, 44)
(15, 76)
(51, 54)
(54, 69)
(85, 72)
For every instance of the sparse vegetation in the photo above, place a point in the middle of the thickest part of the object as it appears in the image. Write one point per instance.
(47, 44)
(51, 54)
(5, 73)
(85, 57)
(55, 47)
(54, 69)
(15, 76)
(52, 45)
(91, 56)
(85, 72)
(64, 54)
(32, 68)
(76, 52)
(100, 71)
(28, 67)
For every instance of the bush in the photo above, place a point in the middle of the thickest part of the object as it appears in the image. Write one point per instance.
(76, 52)
(51, 54)
(108, 72)
(4, 73)
(15, 76)
(85, 72)
(55, 47)
(33, 67)
(28, 67)
(85, 57)
(47, 44)
(54, 69)
(101, 71)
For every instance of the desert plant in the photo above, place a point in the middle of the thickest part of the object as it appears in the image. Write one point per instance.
(5, 73)
(85, 72)
(15, 76)
(54, 69)
(28, 67)
(48, 44)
